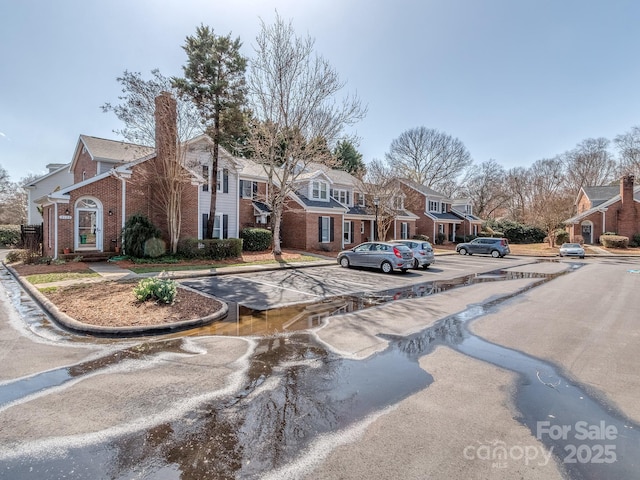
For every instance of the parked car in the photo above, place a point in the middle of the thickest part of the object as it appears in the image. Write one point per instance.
(496, 247)
(571, 250)
(422, 252)
(383, 255)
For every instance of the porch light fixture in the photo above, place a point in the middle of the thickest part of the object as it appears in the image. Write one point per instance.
(110, 212)
(376, 202)
(66, 212)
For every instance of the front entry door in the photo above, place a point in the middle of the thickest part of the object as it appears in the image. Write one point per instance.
(88, 235)
(586, 233)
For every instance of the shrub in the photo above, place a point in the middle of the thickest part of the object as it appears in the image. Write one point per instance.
(256, 239)
(14, 256)
(635, 240)
(609, 233)
(422, 238)
(562, 236)
(9, 235)
(212, 249)
(154, 247)
(614, 241)
(160, 289)
(440, 238)
(137, 230)
(513, 231)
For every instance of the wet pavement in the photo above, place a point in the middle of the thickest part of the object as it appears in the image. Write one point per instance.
(213, 407)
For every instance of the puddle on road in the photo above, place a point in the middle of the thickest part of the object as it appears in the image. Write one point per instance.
(244, 321)
(297, 391)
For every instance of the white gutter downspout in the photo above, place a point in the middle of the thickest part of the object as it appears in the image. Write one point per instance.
(124, 208)
(55, 226)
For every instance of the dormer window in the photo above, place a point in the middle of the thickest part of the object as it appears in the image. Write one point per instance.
(342, 196)
(398, 203)
(434, 206)
(319, 190)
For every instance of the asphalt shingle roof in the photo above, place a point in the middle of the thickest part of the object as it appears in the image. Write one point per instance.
(114, 150)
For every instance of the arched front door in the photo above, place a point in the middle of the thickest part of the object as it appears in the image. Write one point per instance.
(587, 232)
(88, 225)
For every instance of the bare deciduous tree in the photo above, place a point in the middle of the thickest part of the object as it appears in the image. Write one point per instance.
(137, 108)
(519, 190)
(429, 157)
(484, 185)
(551, 204)
(628, 145)
(589, 164)
(383, 192)
(293, 96)
(138, 112)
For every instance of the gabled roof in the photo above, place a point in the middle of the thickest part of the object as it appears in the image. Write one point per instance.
(603, 205)
(426, 191)
(336, 176)
(305, 176)
(57, 171)
(599, 195)
(115, 151)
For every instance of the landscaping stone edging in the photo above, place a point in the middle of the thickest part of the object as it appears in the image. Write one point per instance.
(75, 326)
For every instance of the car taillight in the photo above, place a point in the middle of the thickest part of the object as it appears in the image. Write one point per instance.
(397, 253)
(503, 242)
(422, 252)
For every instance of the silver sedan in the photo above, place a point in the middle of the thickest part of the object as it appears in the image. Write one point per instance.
(382, 255)
(571, 250)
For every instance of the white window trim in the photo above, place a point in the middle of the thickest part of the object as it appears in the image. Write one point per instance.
(323, 188)
(435, 207)
(346, 232)
(326, 220)
(361, 228)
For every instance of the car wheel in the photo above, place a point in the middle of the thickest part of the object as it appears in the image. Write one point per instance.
(404, 270)
(426, 265)
(416, 263)
(495, 254)
(462, 251)
(386, 267)
(582, 256)
(344, 262)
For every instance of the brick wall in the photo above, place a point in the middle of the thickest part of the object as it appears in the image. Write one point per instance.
(628, 220)
(86, 165)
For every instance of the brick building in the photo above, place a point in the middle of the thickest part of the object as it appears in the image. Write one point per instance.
(606, 209)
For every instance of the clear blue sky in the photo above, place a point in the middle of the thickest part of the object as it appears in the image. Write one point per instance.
(515, 80)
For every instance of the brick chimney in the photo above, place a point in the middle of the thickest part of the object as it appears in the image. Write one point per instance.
(166, 117)
(628, 218)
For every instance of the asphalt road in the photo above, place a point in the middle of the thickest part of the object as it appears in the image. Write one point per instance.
(279, 288)
(408, 389)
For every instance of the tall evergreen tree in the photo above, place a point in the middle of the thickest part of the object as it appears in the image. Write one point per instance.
(349, 159)
(214, 80)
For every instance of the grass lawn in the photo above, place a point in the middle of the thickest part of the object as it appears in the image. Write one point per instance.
(58, 277)
(208, 266)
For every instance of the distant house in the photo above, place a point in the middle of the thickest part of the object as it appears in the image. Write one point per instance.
(439, 216)
(606, 209)
(58, 176)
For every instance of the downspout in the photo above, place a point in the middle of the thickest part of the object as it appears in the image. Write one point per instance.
(124, 209)
(55, 226)
(238, 204)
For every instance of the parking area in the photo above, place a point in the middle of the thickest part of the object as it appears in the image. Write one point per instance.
(272, 289)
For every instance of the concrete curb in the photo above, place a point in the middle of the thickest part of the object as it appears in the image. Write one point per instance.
(75, 326)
